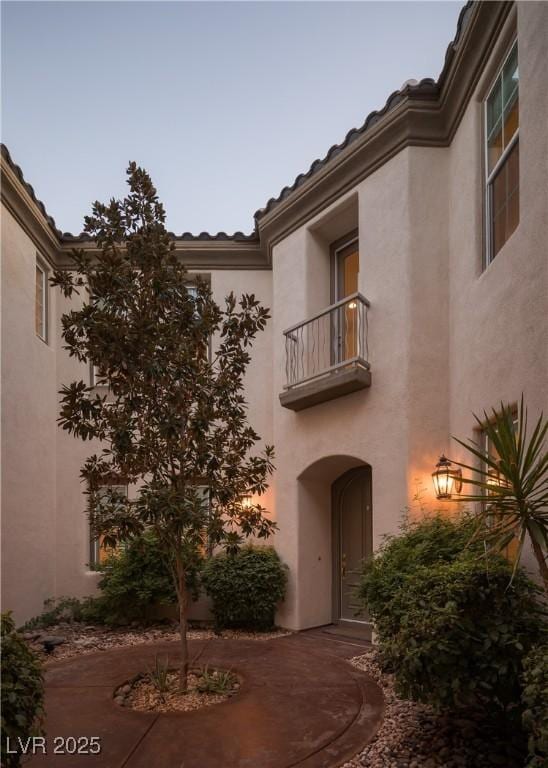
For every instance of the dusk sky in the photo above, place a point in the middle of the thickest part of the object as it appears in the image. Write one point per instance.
(223, 103)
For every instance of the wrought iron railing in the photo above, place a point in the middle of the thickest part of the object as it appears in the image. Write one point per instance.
(333, 339)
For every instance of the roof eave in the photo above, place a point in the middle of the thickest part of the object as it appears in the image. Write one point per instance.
(427, 114)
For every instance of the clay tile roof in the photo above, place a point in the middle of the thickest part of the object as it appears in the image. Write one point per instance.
(83, 237)
(426, 88)
(19, 173)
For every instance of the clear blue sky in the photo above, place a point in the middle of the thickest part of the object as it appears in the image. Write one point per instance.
(223, 103)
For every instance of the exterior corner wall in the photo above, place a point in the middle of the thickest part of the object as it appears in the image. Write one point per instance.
(499, 315)
(28, 433)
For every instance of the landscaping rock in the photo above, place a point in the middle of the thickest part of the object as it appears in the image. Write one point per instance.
(51, 641)
(412, 735)
(85, 638)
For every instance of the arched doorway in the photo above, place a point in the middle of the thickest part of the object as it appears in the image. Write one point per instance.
(351, 510)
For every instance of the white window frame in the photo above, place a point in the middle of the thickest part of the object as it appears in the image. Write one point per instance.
(490, 175)
(41, 267)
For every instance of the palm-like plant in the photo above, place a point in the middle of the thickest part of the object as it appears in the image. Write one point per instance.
(511, 485)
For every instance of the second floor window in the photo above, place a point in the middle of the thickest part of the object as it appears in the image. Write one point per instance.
(502, 155)
(41, 302)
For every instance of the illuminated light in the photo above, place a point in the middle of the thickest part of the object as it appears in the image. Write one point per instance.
(447, 480)
(247, 501)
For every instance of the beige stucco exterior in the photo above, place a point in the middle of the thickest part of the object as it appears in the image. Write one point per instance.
(446, 339)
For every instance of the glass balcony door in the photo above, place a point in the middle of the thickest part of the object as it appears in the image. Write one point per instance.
(346, 264)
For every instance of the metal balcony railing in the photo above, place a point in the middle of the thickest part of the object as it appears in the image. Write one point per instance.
(333, 339)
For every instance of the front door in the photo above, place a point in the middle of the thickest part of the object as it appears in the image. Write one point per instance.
(352, 536)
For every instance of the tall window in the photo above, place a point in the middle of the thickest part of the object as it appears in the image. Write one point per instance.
(502, 155)
(41, 302)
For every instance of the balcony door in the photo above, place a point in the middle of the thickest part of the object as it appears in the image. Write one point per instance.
(345, 261)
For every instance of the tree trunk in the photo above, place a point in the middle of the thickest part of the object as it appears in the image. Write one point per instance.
(541, 560)
(182, 596)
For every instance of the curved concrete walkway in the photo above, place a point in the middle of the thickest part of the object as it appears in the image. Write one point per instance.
(300, 704)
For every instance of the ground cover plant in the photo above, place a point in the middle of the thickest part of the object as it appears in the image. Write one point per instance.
(22, 693)
(535, 704)
(245, 587)
(167, 409)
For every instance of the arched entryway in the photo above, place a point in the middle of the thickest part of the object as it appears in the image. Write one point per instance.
(352, 538)
(314, 580)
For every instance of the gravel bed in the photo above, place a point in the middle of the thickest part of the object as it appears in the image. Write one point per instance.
(68, 639)
(412, 735)
(143, 696)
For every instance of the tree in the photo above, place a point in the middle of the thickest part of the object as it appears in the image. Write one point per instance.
(511, 483)
(172, 416)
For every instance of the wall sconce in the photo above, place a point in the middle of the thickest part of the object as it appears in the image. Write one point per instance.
(447, 481)
(247, 501)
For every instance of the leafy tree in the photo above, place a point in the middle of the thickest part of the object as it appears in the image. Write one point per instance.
(512, 484)
(171, 415)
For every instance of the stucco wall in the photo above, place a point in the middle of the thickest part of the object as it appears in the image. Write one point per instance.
(446, 338)
(499, 316)
(28, 434)
(365, 427)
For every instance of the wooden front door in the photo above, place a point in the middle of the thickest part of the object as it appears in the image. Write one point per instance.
(352, 538)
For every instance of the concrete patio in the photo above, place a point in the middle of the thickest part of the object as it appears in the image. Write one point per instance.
(300, 704)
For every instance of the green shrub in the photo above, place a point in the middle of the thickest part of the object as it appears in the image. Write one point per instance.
(67, 609)
(132, 581)
(429, 542)
(463, 632)
(22, 692)
(535, 704)
(245, 587)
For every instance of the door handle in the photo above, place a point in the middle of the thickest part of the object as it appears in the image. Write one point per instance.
(343, 566)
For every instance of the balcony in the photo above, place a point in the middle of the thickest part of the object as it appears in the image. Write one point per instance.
(326, 356)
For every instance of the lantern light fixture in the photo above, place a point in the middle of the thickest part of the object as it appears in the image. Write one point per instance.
(447, 480)
(247, 501)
